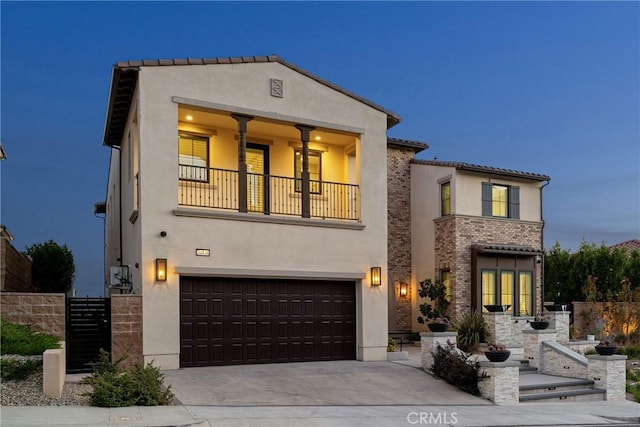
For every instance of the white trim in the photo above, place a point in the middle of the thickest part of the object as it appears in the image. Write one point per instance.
(267, 274)
(252, 217)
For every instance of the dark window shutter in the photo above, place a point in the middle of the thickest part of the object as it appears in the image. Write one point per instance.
(514, 202)
(486, 199)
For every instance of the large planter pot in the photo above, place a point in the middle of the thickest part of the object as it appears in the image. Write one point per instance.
(497, 356)
(496, 308)
(438, 327)
(539, 325)
(605, 350)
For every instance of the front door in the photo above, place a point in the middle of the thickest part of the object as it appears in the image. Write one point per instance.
(257, 178)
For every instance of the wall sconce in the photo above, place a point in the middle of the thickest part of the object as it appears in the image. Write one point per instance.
(376, 276)
(404, 289)
(161, 269)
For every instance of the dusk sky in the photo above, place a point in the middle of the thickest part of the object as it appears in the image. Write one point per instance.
(545, 87)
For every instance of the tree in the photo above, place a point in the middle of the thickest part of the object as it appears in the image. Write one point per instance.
(557, 264)
(52, 267)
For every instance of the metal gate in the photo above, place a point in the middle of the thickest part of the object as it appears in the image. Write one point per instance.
(88, 330)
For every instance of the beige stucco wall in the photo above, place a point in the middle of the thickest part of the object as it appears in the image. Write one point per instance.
(241, 245)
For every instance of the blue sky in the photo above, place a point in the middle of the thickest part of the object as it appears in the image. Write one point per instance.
(544, 87)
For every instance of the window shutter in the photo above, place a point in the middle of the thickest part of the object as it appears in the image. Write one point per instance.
(486, 199)
(514, 202)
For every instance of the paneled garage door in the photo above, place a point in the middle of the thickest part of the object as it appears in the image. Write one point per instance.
(227, 321)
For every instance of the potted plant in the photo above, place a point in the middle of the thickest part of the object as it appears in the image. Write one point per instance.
(472, 330)
(435, 311)
(606, 348)
(497, 353)
(539, 322)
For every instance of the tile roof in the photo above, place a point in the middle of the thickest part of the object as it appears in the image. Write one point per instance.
(125, 75)
(629, 245)
(417, 146)
(484, 169)
(506, 249)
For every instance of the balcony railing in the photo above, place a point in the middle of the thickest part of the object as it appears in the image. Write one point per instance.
(268, 194)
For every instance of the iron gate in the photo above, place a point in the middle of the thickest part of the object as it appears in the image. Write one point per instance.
(88, 330)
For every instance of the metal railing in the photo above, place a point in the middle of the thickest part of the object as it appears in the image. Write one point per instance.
(269, 194)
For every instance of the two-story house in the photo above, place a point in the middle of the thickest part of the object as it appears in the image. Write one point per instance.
(246, 196)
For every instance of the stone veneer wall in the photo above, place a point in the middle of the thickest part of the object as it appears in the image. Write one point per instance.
(126, 329)
(15, 269)
(399, 235)
(454, 236)
(46, 312)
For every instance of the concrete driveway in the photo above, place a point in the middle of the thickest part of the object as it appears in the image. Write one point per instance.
(314, 383)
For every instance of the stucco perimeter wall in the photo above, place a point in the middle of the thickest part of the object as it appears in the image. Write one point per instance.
(399, 241)
(454, 236)
(126, 329)
(243, 246)
(46, 312)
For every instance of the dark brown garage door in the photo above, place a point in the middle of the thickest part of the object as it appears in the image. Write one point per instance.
(227, 321)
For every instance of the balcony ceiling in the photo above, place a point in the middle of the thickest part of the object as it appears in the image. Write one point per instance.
(259, 127)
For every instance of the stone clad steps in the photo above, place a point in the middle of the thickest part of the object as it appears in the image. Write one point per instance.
(535, 387)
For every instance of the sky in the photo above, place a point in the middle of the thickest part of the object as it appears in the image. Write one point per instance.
(545, 87)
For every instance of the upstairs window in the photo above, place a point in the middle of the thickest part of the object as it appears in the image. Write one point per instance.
(501, 201)
(193, 152)
(315, 171)
(445, 199)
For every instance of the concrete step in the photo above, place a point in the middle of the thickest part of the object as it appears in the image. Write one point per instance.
(550, 388)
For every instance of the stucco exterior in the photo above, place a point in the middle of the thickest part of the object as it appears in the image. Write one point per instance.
(242, 244)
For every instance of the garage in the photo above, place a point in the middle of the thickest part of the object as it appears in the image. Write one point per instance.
(230, 321)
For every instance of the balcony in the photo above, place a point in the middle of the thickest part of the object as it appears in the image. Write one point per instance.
(266, 194)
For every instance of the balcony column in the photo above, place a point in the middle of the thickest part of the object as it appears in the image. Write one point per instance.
(242, 160)
(305, 131)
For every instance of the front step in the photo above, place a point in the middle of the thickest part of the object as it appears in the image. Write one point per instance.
(541, 388)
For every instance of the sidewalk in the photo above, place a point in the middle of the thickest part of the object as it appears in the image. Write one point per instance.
(527, 414)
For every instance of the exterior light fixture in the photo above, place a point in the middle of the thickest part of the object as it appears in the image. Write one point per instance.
(189, 117)
(404, 289)
(161, 269)
(376, 276)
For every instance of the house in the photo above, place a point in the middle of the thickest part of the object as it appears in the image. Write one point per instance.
(628, 245)
(245, 203)
(478, 230)
(263, 215)
(15, 266)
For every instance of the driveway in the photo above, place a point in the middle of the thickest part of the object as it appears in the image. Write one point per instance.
(314, 383)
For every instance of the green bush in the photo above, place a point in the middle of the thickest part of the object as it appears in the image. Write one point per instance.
(22, 339)
(631, 351)
(18, 370)
(633, 384)
(472, 330)
(136, 386)
(456, 368)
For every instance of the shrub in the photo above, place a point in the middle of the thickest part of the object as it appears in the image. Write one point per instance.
(631, 351)
(472, 330)
(18, 370)
(53, 268)
(633, 384)
(22, 339)
(391, 345)
(456, 368)
(137, 386)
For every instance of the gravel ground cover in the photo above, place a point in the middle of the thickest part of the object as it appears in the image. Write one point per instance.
(29, 393)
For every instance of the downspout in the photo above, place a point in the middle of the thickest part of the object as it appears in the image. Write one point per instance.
(119, 204)
(542, 247)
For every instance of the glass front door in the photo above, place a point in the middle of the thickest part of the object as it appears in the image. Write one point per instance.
(257, 178)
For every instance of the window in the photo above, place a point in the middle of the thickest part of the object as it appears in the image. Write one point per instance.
(445, 199)
(507, 283)
(193, 152)
(501, 201)
(488, 288)
(315, 171)
(525, 306)
(445, 279)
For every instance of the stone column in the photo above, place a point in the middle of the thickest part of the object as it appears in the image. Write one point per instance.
(499, 325)
(559, 320)
(305, 132)
(533, 344)
(430, 341)
(609, 373)
(503, 384)
(242, 160)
